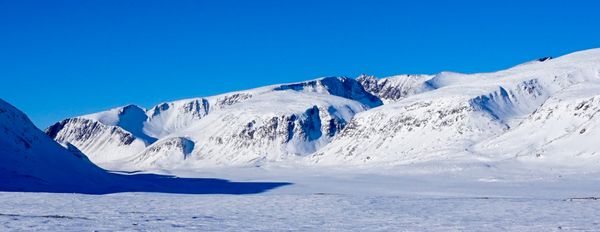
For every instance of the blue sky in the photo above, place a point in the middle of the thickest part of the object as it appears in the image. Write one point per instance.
(65, 58)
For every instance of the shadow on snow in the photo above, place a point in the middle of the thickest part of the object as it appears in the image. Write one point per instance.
(153, 183)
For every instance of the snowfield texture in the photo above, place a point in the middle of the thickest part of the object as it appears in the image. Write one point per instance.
(152, 212)
(327, 201)
(541, 112)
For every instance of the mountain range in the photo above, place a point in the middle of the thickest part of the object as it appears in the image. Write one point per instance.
(541, 112)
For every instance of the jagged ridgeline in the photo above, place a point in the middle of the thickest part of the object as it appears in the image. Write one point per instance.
(364, 121)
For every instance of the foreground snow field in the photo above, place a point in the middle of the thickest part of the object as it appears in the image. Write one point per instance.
(470, 200)
(163, 212)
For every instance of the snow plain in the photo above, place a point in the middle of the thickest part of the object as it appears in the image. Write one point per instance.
(473, 199)
(156, 212)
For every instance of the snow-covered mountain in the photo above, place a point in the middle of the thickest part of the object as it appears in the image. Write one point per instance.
(272, 123)
(531, 110)
(539, 111)
(32, 161)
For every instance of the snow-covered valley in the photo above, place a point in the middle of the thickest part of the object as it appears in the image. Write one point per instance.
(327, 201)
(510, 150)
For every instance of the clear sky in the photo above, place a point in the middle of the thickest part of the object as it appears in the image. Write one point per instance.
(60, 59)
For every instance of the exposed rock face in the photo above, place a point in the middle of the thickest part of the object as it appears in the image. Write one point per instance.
(104, 143)
(227, 100)
(336, 86)
(394, 88)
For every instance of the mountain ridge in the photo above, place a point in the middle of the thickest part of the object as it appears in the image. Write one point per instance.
(336, 120)
(314, 112)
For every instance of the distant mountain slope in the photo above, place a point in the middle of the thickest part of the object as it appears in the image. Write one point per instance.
(462, 110)
(564, 131)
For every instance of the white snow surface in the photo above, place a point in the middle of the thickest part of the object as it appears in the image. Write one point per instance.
(477, 199)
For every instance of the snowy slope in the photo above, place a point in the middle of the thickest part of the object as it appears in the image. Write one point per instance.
(563, 132)
(31, 161)
(270, 127)
(248, 127)
(463, 110)
(409, 131)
